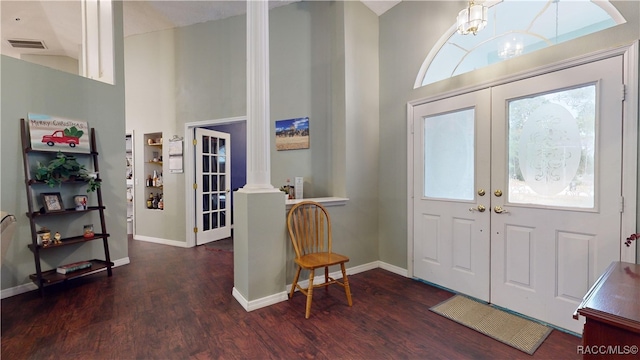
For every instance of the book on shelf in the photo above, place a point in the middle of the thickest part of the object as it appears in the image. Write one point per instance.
(65, 269)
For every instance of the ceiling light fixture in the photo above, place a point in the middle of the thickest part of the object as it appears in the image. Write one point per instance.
(472, 19)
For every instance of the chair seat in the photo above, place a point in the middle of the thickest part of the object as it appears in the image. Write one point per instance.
(318, 260)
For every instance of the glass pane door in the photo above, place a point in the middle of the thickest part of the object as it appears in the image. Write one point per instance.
(552, 148)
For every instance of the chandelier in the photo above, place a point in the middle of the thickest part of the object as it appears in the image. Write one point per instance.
(511, 48)
(472, 19)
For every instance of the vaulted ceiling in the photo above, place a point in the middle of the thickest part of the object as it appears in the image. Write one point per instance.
(58, 25)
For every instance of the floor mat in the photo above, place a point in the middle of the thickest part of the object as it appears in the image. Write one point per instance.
(515, 331)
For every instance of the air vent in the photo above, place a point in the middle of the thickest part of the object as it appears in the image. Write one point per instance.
(27, 44)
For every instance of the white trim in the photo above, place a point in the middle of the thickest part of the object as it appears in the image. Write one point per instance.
(409, 194)
(630, 152)
(259, 303)
(190, 216)
(17, 290)
(160, 241)
(352, 271)
(394, 269)
(325, 201)
(24, 288)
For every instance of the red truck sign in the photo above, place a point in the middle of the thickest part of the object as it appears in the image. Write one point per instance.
(59, 137)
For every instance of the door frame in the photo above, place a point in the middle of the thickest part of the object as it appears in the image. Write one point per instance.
(629, 136)
(189, 171)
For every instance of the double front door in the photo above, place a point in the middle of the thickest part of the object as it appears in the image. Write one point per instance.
(517, 190)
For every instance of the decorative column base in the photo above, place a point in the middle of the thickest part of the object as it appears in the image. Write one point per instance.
(259, 247)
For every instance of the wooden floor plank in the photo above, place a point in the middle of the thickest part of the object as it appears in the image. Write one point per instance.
(175, 303)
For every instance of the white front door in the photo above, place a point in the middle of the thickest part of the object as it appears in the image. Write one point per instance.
(213, 182)
(547, 154)
(451, 200)
(557, 162)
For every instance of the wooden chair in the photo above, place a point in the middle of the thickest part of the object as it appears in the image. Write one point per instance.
(309, 228)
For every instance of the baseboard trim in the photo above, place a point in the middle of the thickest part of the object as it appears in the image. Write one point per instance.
(182, 244)
(258, 303)
(17, 290)
(350, 271)
(24, 288)
(394, 269)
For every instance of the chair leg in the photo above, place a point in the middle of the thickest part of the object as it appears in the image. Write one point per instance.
(345, 280)
(309, 294)
(326, 278)
(295, 283)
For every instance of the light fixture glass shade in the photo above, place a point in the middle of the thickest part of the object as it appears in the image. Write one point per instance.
(472, 19)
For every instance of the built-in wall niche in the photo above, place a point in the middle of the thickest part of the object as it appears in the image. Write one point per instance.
(129, 176)
(71, 36)
(153, 171)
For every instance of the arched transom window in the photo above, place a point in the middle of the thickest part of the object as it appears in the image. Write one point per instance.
(515, 27)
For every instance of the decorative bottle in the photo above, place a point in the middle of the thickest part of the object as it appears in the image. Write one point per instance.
(150, 201)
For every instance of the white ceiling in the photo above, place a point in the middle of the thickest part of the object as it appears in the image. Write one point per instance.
(58, 24)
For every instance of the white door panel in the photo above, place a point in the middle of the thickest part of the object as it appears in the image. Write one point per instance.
(556, 154)
(451, 246)
(213, 182)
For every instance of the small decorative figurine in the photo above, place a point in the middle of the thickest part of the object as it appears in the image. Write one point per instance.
(45, 236)
(57, 238)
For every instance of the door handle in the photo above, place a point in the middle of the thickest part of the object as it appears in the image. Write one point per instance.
(499, 210)
(480, 208)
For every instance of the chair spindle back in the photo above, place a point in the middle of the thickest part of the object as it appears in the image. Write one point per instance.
(309, 228)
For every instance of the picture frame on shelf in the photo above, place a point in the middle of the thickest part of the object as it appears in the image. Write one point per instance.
(52, 202)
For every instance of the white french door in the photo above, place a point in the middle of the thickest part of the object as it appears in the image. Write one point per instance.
(557, 151)
(517, 190)
(451, 182)
(213, 182)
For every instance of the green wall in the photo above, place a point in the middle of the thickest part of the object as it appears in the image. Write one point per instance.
(28, 87)
(203, 67)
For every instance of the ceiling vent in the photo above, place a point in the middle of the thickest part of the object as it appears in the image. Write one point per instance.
(27, 44)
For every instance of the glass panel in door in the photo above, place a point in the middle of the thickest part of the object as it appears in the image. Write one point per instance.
(449, 156)
(552, 149)
(212, 190)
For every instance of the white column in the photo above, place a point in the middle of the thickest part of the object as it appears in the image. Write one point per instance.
(259, 208)
(258, 144)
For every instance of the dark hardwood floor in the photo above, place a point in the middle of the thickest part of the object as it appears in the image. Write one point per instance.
(174, 303)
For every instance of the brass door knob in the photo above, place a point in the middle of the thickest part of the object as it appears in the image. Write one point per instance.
(480, 208)
(499, 210)
(497, 193)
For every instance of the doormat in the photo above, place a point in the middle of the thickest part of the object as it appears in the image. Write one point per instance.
(220, 245)
(522, 334)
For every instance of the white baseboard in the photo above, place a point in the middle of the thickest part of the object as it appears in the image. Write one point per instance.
(17, 290)
(394, 269)
(351, 271)
(182, 244)
(258, 303)
(21, 289)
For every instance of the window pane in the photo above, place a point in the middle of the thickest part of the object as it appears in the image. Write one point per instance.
(552, 149)
(449, 165)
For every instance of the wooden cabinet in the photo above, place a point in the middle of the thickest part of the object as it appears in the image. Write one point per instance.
(66, 214)
(612, 312)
